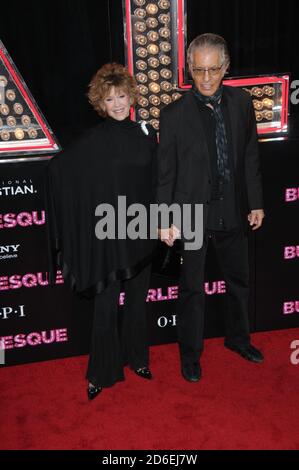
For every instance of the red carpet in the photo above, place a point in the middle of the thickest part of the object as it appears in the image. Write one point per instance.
(236, 405)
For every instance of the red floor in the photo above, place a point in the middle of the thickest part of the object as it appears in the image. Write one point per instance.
(236, 405)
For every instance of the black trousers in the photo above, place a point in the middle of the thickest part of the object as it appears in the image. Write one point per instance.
(112, 349)
(232, 252)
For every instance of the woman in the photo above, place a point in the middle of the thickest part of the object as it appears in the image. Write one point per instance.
(115, 158)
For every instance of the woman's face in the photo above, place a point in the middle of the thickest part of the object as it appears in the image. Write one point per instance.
(117, 104)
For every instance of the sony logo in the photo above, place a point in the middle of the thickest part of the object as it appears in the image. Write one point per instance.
(9, 249)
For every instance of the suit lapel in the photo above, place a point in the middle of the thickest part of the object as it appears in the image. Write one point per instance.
(233, 116)
(195, 127)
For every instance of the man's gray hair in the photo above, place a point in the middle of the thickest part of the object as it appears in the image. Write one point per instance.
(209, 40)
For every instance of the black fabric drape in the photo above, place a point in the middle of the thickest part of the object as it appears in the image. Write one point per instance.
(58, 45)
(261, 34)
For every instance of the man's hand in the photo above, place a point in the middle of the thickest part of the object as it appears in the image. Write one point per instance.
(256, 218)
(169, 235)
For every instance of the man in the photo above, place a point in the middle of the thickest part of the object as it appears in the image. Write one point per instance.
(208, 154)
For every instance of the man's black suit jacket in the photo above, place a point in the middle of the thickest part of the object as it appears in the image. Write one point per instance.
(184, 163)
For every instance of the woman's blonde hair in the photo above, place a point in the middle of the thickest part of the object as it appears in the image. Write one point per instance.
(108, 76)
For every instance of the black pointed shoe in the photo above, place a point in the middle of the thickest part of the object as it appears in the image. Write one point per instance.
(144, 372)
(93, 391)
(191, 372)
(248, 352)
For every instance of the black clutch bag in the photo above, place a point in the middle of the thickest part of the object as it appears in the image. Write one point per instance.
(168, 260)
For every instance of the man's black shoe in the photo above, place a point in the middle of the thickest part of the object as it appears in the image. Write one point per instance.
(191, 372)
(249, 352)
(144, 372)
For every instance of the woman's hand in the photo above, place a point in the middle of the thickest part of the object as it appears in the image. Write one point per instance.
(256, 218)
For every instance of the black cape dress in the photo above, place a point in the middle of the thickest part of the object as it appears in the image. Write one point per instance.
(115, 158)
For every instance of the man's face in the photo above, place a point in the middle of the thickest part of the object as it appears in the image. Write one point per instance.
(207, 70)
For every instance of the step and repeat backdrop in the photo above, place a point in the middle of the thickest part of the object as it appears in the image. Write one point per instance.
(277, 244)
(39, 322)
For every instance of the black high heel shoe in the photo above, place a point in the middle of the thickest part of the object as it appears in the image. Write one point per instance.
(93, 391)
(144, 372)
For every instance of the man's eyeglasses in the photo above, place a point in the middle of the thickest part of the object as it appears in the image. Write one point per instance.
(200, 71)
